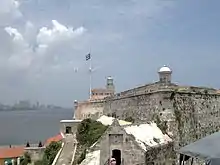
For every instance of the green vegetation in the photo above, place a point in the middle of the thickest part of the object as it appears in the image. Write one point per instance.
(82, 157)
(49, 154)
(26, 159)
(88, 132)
(130, 119)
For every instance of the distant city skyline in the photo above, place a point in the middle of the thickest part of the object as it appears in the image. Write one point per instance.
(27, 103)
(43, 42)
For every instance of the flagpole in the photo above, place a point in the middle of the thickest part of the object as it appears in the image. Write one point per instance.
(90, 78)
(90, 75)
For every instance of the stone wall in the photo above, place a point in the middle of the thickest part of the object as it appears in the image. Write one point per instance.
(89, 109)
(196, 115)
(36, 153)
(161, 155)
(116, 138)
(131, 153)
(189, 112)
(148, 88)
(141, 107)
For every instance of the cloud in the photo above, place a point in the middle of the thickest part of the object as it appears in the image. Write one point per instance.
(17, 37)
(57, 34)
(9, 11)
(38, 53)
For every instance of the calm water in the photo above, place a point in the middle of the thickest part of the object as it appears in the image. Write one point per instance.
(18, 127)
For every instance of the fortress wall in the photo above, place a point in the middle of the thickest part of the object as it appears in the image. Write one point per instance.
(190, 114)
(89, 109)
(196, 115)
(149, 88)
(141, 107)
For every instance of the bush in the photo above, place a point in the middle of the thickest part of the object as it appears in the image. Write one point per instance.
(89, 131)
(129, 119)
(82, 156)
(51, 152)
(40, 162)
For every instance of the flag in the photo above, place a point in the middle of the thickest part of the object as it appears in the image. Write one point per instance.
(88, 57)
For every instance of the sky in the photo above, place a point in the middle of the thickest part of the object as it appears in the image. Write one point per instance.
(43, 45)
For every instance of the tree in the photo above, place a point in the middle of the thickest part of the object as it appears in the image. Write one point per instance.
(89, 131)
(51, 152)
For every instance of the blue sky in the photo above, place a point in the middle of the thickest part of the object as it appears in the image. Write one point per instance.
(129, 40)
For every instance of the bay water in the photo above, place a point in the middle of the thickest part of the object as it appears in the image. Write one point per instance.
(18, 127)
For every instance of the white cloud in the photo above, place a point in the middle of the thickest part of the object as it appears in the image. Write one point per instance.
(40, 51)
(58, 33)
(14, 33)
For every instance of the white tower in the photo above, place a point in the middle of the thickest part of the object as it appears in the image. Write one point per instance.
(165, 74)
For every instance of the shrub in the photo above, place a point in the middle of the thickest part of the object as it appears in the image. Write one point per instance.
(82, 156)
(89, 131)
(129, 119)
(51, 152)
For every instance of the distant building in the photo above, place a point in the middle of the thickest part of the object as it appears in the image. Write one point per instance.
(93, 107)
(23, 104)
(57, 138)
(101, 93)
(10, 155)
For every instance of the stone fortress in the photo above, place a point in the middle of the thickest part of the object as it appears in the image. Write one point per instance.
(188, 112)
(182, 113)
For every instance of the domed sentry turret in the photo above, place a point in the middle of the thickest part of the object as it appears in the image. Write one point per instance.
(110, 83)
(165, 74)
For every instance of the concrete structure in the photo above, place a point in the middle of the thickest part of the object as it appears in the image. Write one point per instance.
(67, 152)
(130, 144)
(93, 107)
(110, 84)
(165, 74)
(69, 126)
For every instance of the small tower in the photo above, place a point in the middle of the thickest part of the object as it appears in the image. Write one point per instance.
(165, 74)
(75, 109)
(110, 84)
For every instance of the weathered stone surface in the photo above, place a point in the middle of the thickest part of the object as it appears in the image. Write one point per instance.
(116, 138)
(89, 109)
(190, 112)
